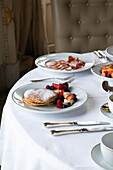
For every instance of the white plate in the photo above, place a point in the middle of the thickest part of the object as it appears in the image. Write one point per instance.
(95, 70)
(98, 158)
(105, 112)
(40, 62)
(109, 52)
(17, 97)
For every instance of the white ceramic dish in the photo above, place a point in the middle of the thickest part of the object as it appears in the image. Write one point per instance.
(40, 62)
(95, 70)
(106, 146)
(109, 52)
(17, 97)
(98, 158)
(110, 103)
(105, 112)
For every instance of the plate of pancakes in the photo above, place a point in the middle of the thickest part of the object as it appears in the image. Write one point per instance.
(64, 63)
(35, 97)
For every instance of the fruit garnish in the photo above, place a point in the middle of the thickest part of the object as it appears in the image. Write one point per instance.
(55, 85)
(70, 97)
(61, 86)
(60, 98)
(62, 93)
(59, 104)
(47, 87)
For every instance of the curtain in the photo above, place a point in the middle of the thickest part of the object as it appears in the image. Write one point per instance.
(31, 40)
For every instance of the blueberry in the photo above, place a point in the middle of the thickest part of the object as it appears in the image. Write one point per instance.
(60, 98)
(66, 84)
(75, 99)
(64, 106)
(52, 87)
(109, 75)
(100, 71)
(68, 104)
(74, 95)
(66, 90)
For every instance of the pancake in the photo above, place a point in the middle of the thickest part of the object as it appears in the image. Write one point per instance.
(39, 97)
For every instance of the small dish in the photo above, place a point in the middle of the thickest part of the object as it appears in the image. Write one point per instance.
(40, 62)
(109, 52)
(98, 158)
(96, 71)
(105, 111)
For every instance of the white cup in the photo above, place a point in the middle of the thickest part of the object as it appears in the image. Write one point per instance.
(107, 147)
(110, 103)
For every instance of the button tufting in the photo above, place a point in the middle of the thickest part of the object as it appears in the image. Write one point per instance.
(89, 36)
(79, 22)
(98, 21)
(106, 4)
(107, 36)
(70, 5)
(87, 4)
(71, 38)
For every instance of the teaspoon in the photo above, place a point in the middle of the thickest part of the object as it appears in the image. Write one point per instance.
(106, 86)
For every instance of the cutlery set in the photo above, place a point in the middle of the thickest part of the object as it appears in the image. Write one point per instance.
(102, 56)
(78, 130)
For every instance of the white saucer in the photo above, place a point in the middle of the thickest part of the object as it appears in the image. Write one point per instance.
(98, 158)
(106, 112)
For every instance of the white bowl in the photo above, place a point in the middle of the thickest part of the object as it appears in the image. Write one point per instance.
(109, 52)
(107, 147)
(110, 103)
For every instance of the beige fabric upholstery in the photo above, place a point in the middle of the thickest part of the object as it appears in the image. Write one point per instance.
(82, 25)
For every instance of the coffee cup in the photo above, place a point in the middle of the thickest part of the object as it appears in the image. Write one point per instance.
(110, 103)
(106, 146)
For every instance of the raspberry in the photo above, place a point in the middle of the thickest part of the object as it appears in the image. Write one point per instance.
(47, 87)
(61, 86)
(59, 104)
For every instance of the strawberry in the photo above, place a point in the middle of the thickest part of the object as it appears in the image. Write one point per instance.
(55, 85)
(59, 104)
(70, 97)
(61, 93)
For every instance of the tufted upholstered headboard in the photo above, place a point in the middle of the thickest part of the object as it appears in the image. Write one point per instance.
(82, 25)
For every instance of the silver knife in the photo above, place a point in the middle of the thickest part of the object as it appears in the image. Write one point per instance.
(82, 130)
(79, 123)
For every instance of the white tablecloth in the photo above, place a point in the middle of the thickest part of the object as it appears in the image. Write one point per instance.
(27, 145)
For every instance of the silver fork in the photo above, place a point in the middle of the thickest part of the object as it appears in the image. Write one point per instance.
(56, 78)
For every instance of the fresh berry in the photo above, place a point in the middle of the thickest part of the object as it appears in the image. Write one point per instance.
(61, 86)
(64, 106)
(55, 85)
(75, 99)
(74, 94)
(109, 75)
(52, 87)
(59, 104)
(60, 98)
(68, 104)
(70, 97)
(47, 87)
(61, 93)
(66, 84)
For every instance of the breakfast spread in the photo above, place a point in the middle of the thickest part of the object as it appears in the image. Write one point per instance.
(107, 70)
(58, 94)
(71, 64)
